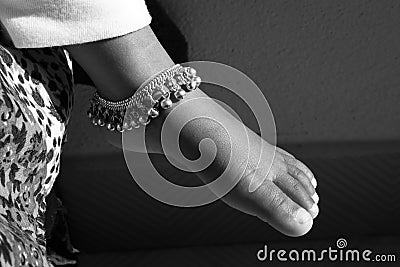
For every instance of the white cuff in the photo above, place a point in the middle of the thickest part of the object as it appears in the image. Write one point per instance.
(45, 23)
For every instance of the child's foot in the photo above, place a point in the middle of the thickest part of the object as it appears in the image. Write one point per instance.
(272, 184)
(285, 197)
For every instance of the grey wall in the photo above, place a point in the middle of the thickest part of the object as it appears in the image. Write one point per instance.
(329, 69)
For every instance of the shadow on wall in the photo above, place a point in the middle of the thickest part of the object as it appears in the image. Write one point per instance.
(167, 33)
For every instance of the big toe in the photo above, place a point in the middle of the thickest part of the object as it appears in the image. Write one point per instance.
(281, 212)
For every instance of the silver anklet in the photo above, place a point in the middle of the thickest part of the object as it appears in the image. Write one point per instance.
(148, 100)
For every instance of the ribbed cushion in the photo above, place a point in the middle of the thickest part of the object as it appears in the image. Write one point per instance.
(108, 212)
(238, 255)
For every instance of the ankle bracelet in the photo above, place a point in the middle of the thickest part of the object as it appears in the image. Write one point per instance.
(153, 96)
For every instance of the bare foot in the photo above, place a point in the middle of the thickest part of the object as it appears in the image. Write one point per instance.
(286, 197)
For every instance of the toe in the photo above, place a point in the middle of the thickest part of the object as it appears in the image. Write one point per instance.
(314, 182)
(289, 158)
(306, 171)
(299, 175)
(295, 190)
(315, 197)
(281, 212)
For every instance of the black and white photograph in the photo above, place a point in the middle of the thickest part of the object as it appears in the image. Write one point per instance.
(201, 133)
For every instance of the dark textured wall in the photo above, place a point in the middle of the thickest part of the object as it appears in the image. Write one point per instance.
(330, 69)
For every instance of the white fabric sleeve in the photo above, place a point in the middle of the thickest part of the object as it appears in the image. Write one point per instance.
(44, 23)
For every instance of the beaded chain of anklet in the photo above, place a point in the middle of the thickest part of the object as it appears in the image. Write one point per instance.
(146, 103)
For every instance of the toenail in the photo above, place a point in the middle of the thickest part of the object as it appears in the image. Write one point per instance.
(315, 197)
(314, 182)
(302, 216)
(314, 210)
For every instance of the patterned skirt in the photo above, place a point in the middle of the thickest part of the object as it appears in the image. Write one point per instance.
(35, 102)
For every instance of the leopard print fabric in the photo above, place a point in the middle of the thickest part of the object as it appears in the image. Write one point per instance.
(35, 103)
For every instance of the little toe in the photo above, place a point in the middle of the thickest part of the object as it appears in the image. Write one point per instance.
(307, 171)
(290, 159)
(315, 197)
